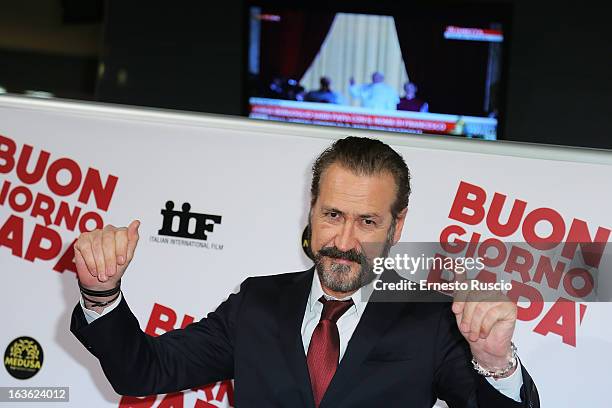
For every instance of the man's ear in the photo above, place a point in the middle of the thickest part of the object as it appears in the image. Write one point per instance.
(399, 225)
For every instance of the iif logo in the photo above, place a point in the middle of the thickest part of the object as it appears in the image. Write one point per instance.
(199, 224)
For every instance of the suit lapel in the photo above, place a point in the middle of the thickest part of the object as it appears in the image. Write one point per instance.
(292, 305)
(376, 318)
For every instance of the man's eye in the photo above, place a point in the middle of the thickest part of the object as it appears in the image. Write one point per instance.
(369, 222)
(332, 214)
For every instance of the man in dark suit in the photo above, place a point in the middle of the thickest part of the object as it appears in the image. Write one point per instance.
(316, 338)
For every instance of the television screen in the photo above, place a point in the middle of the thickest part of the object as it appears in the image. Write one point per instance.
(433, 70)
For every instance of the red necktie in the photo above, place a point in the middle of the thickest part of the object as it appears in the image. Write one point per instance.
(324, 348)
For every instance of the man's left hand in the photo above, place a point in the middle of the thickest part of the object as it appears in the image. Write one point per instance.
(486, 320)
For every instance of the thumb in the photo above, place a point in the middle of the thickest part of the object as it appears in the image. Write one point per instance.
(460, 296)
(132, 237)
(133, 230)
(458, 318)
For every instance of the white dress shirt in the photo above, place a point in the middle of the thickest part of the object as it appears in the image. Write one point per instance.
(346, 323)
(509, 386)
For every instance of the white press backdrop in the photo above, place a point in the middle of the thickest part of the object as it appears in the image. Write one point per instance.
(255, 175)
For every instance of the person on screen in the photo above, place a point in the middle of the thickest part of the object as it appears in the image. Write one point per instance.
(324, 94)
(313, 338)
(410, 102)
(287, 89)
(276, 90)
(375, 95)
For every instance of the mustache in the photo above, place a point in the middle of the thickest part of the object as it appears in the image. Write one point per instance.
(350, 255)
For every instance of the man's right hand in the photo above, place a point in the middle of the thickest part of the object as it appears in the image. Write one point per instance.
(102, 256)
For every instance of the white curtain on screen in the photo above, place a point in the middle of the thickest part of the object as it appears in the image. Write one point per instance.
(356, 46)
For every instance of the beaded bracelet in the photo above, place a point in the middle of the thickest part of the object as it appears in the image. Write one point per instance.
(502, 371)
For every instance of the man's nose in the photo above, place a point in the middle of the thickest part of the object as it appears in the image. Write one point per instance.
(345, 240)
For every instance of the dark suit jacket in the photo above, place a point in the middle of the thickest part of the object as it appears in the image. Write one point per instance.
(402, 354)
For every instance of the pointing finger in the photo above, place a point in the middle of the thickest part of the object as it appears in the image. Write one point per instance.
(79, 261)
(83, 247)
(98, 253)
(121, 245)
(487, 324)
(480, 311)
(108, 247)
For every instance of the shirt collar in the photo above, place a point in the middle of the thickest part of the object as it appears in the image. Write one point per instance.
(316, 291)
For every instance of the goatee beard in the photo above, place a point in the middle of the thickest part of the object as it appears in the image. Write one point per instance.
(338, 276)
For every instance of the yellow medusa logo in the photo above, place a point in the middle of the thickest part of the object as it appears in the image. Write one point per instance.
(23, 358)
